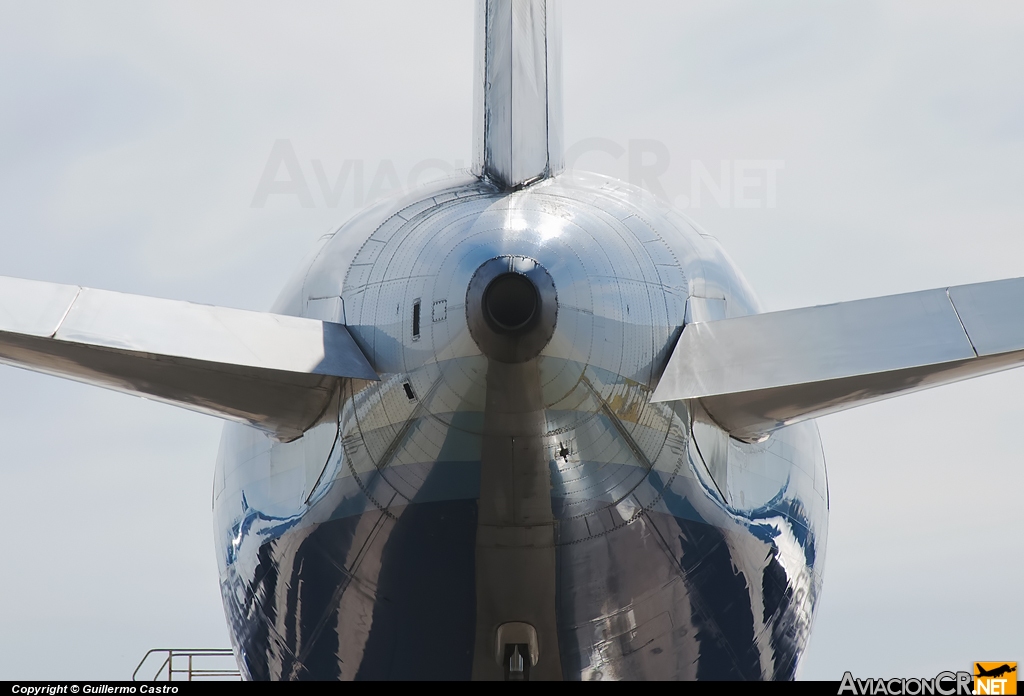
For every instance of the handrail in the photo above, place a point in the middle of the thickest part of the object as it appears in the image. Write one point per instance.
(192, 671)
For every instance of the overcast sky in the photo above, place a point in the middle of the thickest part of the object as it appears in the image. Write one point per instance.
(132, 141)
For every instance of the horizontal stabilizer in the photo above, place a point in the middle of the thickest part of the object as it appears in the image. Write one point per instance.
(274, 372)
(757, 373)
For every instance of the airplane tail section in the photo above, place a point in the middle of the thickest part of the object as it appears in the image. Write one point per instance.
(271, 371)
(518, 92)
(758, 373)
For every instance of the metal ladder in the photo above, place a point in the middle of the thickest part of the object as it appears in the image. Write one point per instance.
(178, 664)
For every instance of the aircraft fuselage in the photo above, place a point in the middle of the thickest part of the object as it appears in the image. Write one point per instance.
(486, 495)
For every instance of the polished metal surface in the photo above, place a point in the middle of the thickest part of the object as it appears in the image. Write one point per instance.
(992, 315)
(272, 371)
(493, 469)
(468, 491)
(518, 91)
(759, 373)
(33, 308)
(511, 308)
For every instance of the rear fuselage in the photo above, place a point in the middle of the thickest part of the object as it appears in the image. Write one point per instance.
(472, 488)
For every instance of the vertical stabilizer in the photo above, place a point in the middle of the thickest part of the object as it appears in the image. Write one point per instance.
(518, 91)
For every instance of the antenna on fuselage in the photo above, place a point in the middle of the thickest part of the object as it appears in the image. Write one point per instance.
(517, 123)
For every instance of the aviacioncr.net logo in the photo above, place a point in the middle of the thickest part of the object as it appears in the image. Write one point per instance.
(942, 684)
(995, 678)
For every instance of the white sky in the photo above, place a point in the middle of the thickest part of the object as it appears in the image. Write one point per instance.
(132, 139)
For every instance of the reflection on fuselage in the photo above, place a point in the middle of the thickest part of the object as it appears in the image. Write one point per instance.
(465, 491)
